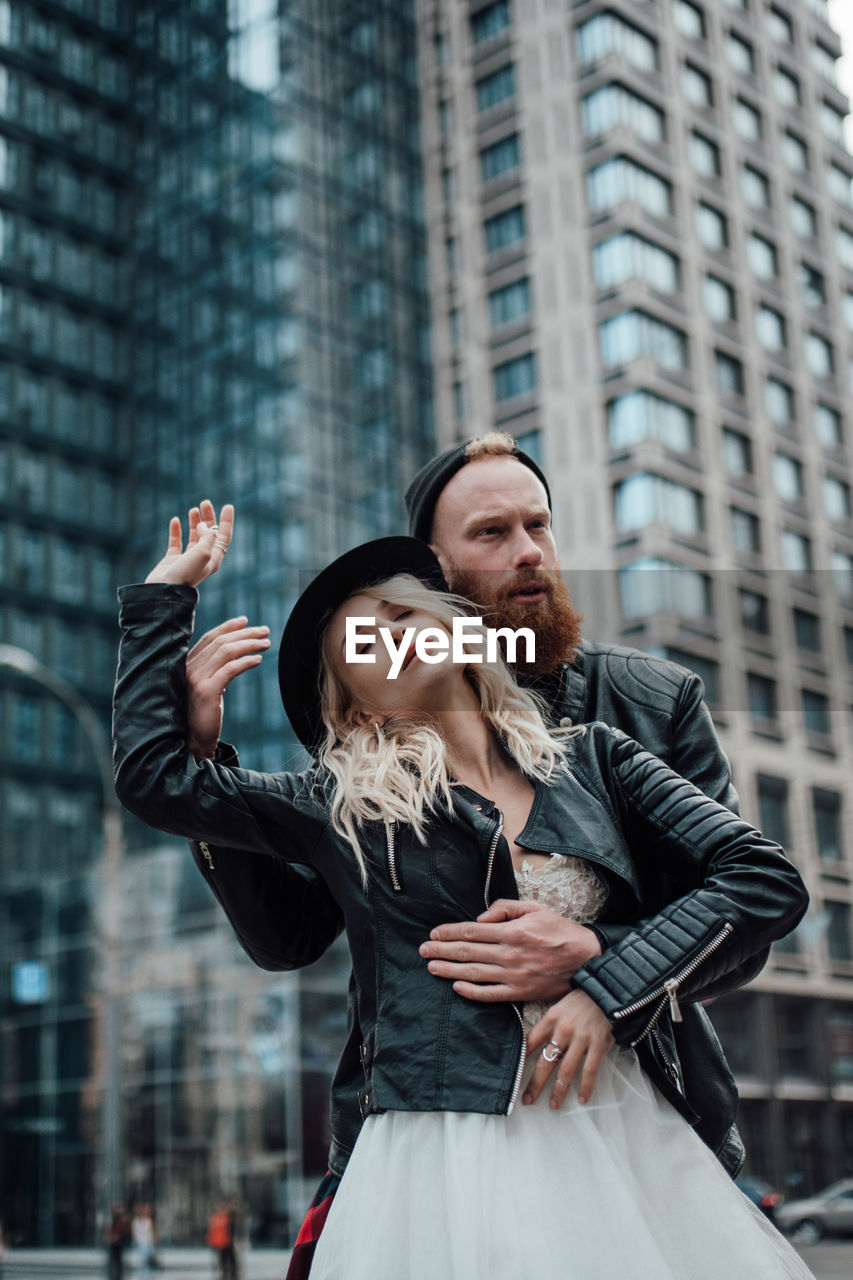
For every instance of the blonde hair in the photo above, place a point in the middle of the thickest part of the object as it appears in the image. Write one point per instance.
(398, 772)
(494, 444)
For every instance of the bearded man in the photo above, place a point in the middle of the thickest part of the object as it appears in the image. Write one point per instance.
(485, 508)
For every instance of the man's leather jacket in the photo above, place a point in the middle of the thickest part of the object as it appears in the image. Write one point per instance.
(616, 805)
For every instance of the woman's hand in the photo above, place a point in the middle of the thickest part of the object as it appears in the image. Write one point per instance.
(212, 663)
(206, 546)
(574, 1030)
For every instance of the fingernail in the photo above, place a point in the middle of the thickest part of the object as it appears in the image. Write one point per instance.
(553, 1104)
(434, 935)
(581, 1098)
(527, 1099)
(424, 948)
(433, 967)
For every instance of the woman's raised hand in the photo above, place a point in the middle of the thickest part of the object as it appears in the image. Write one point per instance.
(206, 546)
(573, 1036)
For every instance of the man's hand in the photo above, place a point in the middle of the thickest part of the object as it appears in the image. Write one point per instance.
(513, 951)
(212, 663)
(573, 1031)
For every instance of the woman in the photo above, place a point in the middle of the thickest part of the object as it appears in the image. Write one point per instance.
(595, 1171)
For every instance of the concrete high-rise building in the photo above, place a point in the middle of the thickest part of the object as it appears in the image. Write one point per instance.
(212, 283)
(641, 264)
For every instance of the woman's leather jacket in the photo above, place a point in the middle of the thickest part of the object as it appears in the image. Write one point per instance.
(424, 1047)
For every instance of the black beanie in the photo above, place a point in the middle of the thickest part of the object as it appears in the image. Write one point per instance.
(423, 493)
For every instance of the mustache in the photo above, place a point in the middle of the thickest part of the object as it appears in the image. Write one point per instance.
(541, 577)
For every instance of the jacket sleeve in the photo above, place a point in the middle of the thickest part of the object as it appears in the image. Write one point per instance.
(746, 892)
(156, 776)
(282, 913)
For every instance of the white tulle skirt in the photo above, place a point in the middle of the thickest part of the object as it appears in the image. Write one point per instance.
(618, 1189)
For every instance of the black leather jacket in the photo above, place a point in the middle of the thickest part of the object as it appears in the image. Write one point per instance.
(615, 805)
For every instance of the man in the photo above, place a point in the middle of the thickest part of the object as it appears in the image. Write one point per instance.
(484, 507)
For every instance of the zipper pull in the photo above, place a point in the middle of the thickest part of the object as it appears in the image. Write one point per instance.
(208, 857)
(671, 989)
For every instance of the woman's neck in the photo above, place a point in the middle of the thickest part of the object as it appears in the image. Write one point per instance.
(474, 754)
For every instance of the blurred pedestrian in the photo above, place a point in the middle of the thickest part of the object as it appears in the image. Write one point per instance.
(220, 1238)
(144, 1233)
(118, 1236)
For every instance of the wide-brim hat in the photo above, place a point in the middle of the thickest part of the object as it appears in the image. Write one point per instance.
(300, 656)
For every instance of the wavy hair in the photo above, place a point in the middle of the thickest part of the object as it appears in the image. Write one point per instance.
(398, 772)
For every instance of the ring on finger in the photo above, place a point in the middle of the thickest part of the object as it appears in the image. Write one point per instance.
(552, 1051)
(561, 1083)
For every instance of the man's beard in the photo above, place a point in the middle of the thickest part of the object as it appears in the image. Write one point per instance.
(554, 622)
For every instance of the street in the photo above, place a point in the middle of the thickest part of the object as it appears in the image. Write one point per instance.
(831, 1260)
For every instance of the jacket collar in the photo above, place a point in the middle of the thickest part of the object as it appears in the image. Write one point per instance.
(564, 690)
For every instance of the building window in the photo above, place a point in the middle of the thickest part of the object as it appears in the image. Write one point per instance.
(514, 377)
(844, 247)
(740, 55)
(773, 808)
(746, 533)
(826, 808)
(820, 359)
(706, 669)
(608, 33)
(786, 87)
(779, 401)
(501, 157)
(718, 299)
(838, 930)
(645, 499)
(489, 21)
(704, 155)
(754, 187)
(836, 498)
(770, 328)
(652, 585)
(496, 88)
(827, 425)
(696, 86)
(631, 334)
(711, 227)
(842, 572)
(642, 415)
(838, 184)
(847, 308)
(823, 61)
(803, 219)
(807, 630)
(754, 611)
(613, 105)
(627, 256)
(509, 303)
(689, 20)
(795, 152)
(812, 285)
(620, 179)
(728, 372)
(832, 123)
(815, 711)
(504, 229)
(459, 401)
(737, 452)
(762, 257)
(779, 27)
(761, 695)
(796, 552)
(747, 121)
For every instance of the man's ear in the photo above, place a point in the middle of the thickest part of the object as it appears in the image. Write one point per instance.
(435, 548)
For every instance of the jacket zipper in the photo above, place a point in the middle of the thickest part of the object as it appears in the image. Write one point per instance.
(496, 835)
(208, 856)
(667, 993)
(392, 856)
(670, 1067)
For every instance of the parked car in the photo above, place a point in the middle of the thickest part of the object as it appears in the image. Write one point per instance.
(765, 1197)
(828, 1213)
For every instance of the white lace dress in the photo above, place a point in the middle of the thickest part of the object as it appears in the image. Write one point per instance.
(618, 1189)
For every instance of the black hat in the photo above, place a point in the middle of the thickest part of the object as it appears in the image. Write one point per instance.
(423, 493)
(300, 655)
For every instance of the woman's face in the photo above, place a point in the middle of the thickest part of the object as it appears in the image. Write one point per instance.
(417, 687)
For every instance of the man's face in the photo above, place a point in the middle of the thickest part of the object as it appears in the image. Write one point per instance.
(492, 534)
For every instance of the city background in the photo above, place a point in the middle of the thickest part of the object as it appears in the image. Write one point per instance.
(277, 253)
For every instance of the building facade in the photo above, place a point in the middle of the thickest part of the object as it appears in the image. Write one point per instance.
(641, 249)
(212, 284)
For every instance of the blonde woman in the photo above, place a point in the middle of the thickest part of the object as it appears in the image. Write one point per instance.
(499, 1141)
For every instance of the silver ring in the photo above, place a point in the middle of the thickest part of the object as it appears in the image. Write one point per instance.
(223, 546)
(552, 1051)
(561, 1083)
